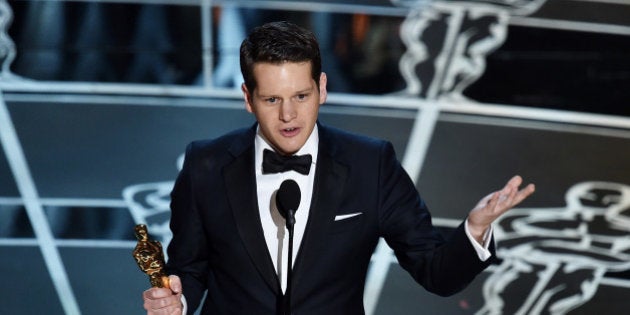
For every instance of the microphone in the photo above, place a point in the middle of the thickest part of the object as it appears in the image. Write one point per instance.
(288, 199)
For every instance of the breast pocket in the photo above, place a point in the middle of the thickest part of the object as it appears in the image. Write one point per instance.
(347, 222)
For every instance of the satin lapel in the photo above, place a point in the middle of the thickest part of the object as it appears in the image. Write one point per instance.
(329, 186)
(240, 182)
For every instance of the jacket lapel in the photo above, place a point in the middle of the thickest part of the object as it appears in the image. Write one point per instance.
(240, 181)
(328, 190)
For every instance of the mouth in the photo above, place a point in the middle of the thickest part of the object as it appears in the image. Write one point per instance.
(290, 132)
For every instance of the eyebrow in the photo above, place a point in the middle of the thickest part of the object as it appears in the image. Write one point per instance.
(305, 91)
(302, 91)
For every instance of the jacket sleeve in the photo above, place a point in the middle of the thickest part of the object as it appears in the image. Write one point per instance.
(441, 266)
(187, 256)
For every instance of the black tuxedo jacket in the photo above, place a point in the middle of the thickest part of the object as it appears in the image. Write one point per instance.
(218, 243)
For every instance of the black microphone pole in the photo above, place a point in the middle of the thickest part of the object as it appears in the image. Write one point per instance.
(287, 200)
(290, 222)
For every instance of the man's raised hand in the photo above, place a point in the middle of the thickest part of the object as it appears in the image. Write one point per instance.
(495, 204)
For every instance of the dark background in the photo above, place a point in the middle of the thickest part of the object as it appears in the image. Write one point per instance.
(104, 96)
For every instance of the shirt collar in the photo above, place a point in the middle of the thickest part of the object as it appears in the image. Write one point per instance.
(310, 146)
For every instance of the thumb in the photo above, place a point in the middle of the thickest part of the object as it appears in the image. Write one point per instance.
(175, 284)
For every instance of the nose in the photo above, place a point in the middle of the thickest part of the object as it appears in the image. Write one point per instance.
(288, 111)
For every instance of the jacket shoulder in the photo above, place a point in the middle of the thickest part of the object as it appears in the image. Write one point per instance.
(236, 138)
(220, 150)
(352, 144)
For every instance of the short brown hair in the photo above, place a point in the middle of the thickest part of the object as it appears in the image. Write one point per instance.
(279, 42)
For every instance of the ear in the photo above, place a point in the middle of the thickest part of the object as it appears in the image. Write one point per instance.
(248, 97)
(323, 93)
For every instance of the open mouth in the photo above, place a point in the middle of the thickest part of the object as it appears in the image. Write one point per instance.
(289, 132)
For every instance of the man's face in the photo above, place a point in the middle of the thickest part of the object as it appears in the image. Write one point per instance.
(286, 103)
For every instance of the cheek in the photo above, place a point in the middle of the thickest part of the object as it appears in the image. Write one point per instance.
(267, 115)
(314, 111)
(267, 125)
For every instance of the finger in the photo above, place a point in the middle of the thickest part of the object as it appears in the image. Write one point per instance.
(511, 194)
(163, 305)
(149, 294)
(175, 284)
(494, 200)
(512, 200)
(524, 193)
(504, 201)
(515, 197)
(505, 194)
(514, 182)
(156, 293)
(177, 311)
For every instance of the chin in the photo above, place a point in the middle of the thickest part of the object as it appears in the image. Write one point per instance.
(289, 151)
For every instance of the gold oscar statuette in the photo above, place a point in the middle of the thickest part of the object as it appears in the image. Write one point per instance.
(150, 257)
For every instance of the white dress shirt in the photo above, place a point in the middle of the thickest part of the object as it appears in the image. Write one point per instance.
(273, 224)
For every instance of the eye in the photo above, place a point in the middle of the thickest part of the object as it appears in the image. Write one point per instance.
(271, 100)
(302, 97)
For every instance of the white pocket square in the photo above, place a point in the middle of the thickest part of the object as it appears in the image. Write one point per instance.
(347, 216)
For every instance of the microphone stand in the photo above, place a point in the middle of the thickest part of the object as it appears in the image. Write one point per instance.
(290, 222)
(288, 200)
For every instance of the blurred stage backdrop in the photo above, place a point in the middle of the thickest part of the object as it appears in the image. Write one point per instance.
(99, 99)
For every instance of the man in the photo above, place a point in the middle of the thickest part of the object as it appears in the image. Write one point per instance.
(229, 241)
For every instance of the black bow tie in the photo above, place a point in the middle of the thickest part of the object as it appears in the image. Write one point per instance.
(276, 163)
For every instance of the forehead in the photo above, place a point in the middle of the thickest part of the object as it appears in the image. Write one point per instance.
(275, 75)
(285, 68)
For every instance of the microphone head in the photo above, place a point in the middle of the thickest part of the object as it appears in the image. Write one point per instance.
(288, 197)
